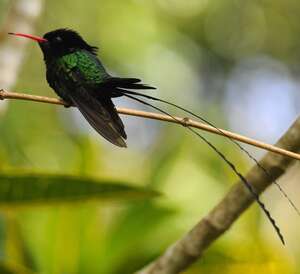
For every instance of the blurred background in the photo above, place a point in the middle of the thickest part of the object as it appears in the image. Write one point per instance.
(237, 63)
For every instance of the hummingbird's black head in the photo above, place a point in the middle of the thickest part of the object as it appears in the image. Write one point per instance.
(59, 42)
(63, 41)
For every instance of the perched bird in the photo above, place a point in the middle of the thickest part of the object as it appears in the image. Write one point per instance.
(79, 78)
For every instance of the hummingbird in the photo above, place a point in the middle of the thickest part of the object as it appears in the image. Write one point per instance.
(76, 74)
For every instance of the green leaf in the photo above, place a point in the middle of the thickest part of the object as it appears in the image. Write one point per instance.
(28, 189)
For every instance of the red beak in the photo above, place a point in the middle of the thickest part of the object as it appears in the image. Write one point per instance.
(33, 37)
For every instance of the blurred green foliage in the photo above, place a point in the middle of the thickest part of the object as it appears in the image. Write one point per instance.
(29, 189)
(187, 49)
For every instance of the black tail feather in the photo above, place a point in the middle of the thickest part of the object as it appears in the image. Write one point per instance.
(230, 139)
(129, 83)
(231, 165)
(136, 86)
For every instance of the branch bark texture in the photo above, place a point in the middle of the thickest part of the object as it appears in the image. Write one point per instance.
(190, 247)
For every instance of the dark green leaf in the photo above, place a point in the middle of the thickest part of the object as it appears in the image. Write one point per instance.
(24, 189)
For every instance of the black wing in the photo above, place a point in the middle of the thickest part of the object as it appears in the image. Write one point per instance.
(101, 115)
(100, 112)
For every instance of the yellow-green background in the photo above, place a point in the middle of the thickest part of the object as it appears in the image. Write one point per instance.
(194, 52)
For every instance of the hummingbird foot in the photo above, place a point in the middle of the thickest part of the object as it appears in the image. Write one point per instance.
(65, 104)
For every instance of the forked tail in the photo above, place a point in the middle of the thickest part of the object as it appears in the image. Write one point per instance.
(222, 133)
(130, 94)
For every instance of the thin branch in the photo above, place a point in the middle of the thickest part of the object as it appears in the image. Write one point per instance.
(155, 116)
(191, 246)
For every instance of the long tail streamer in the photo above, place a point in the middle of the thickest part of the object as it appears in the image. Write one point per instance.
(231, 165)
(231, 140)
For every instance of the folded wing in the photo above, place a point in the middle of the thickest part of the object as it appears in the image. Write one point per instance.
(101, 115)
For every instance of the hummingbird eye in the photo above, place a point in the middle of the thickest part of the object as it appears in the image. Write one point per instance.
(58, 39)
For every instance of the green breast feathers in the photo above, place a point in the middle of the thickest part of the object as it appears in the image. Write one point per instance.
(84, 66)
